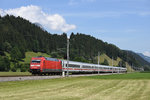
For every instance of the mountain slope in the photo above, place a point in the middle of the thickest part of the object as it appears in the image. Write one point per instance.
(18, 36)
(144, 57)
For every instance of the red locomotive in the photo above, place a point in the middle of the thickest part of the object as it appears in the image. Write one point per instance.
(44, 65)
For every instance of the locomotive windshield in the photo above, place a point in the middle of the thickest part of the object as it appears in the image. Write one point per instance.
(36, 61)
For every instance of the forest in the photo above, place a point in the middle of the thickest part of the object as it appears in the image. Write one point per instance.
(18, 36)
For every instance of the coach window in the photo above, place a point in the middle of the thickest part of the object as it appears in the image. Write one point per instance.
(85, 66)
(75, 66)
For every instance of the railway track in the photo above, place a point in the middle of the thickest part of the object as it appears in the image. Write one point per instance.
(30, 77)
(22, 78)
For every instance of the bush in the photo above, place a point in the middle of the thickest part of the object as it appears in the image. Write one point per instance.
(14, 68)
(105, 62)
(4, 64)
(24, 67)
(54, 54)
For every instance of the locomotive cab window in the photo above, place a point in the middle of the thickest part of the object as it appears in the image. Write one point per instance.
(36, 61)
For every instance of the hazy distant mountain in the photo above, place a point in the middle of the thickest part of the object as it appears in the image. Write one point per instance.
(144, 57)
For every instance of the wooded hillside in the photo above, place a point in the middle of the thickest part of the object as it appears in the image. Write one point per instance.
(18, 36)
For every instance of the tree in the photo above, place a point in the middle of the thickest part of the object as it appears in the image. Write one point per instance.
(1, 50)
(24, 67)
(146, 68)
(80, 59)
(105, 62)
(122, 64)
(14, 68)
(15, 54)
(4, 64)
(7, 46)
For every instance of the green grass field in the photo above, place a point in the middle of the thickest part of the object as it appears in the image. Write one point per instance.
(134, 86)
(132, 76)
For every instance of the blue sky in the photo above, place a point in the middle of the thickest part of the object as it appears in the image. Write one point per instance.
(125, 23)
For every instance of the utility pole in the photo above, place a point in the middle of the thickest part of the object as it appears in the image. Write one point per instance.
(132, 67)
(112, 62)
(98, 61)
(127, 62)
(67, 56)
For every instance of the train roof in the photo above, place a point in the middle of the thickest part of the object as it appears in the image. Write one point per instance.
(47, 58)
(51, 59)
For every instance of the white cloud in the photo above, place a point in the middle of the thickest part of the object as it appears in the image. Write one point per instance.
(2, 13)
(35, 14)
(146, 53)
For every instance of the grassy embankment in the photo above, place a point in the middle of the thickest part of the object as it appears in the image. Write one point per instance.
(29, 55)
(133, 86)
(115, 62)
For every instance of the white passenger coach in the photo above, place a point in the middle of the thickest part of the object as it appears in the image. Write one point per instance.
(80, 67)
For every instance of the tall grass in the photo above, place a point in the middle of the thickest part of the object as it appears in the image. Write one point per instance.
(136, 75)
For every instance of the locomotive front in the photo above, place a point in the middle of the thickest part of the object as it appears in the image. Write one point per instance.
(36, 65)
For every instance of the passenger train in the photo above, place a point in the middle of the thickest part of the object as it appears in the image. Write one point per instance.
(45, 65)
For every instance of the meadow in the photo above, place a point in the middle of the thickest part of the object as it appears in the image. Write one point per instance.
(132, 86)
